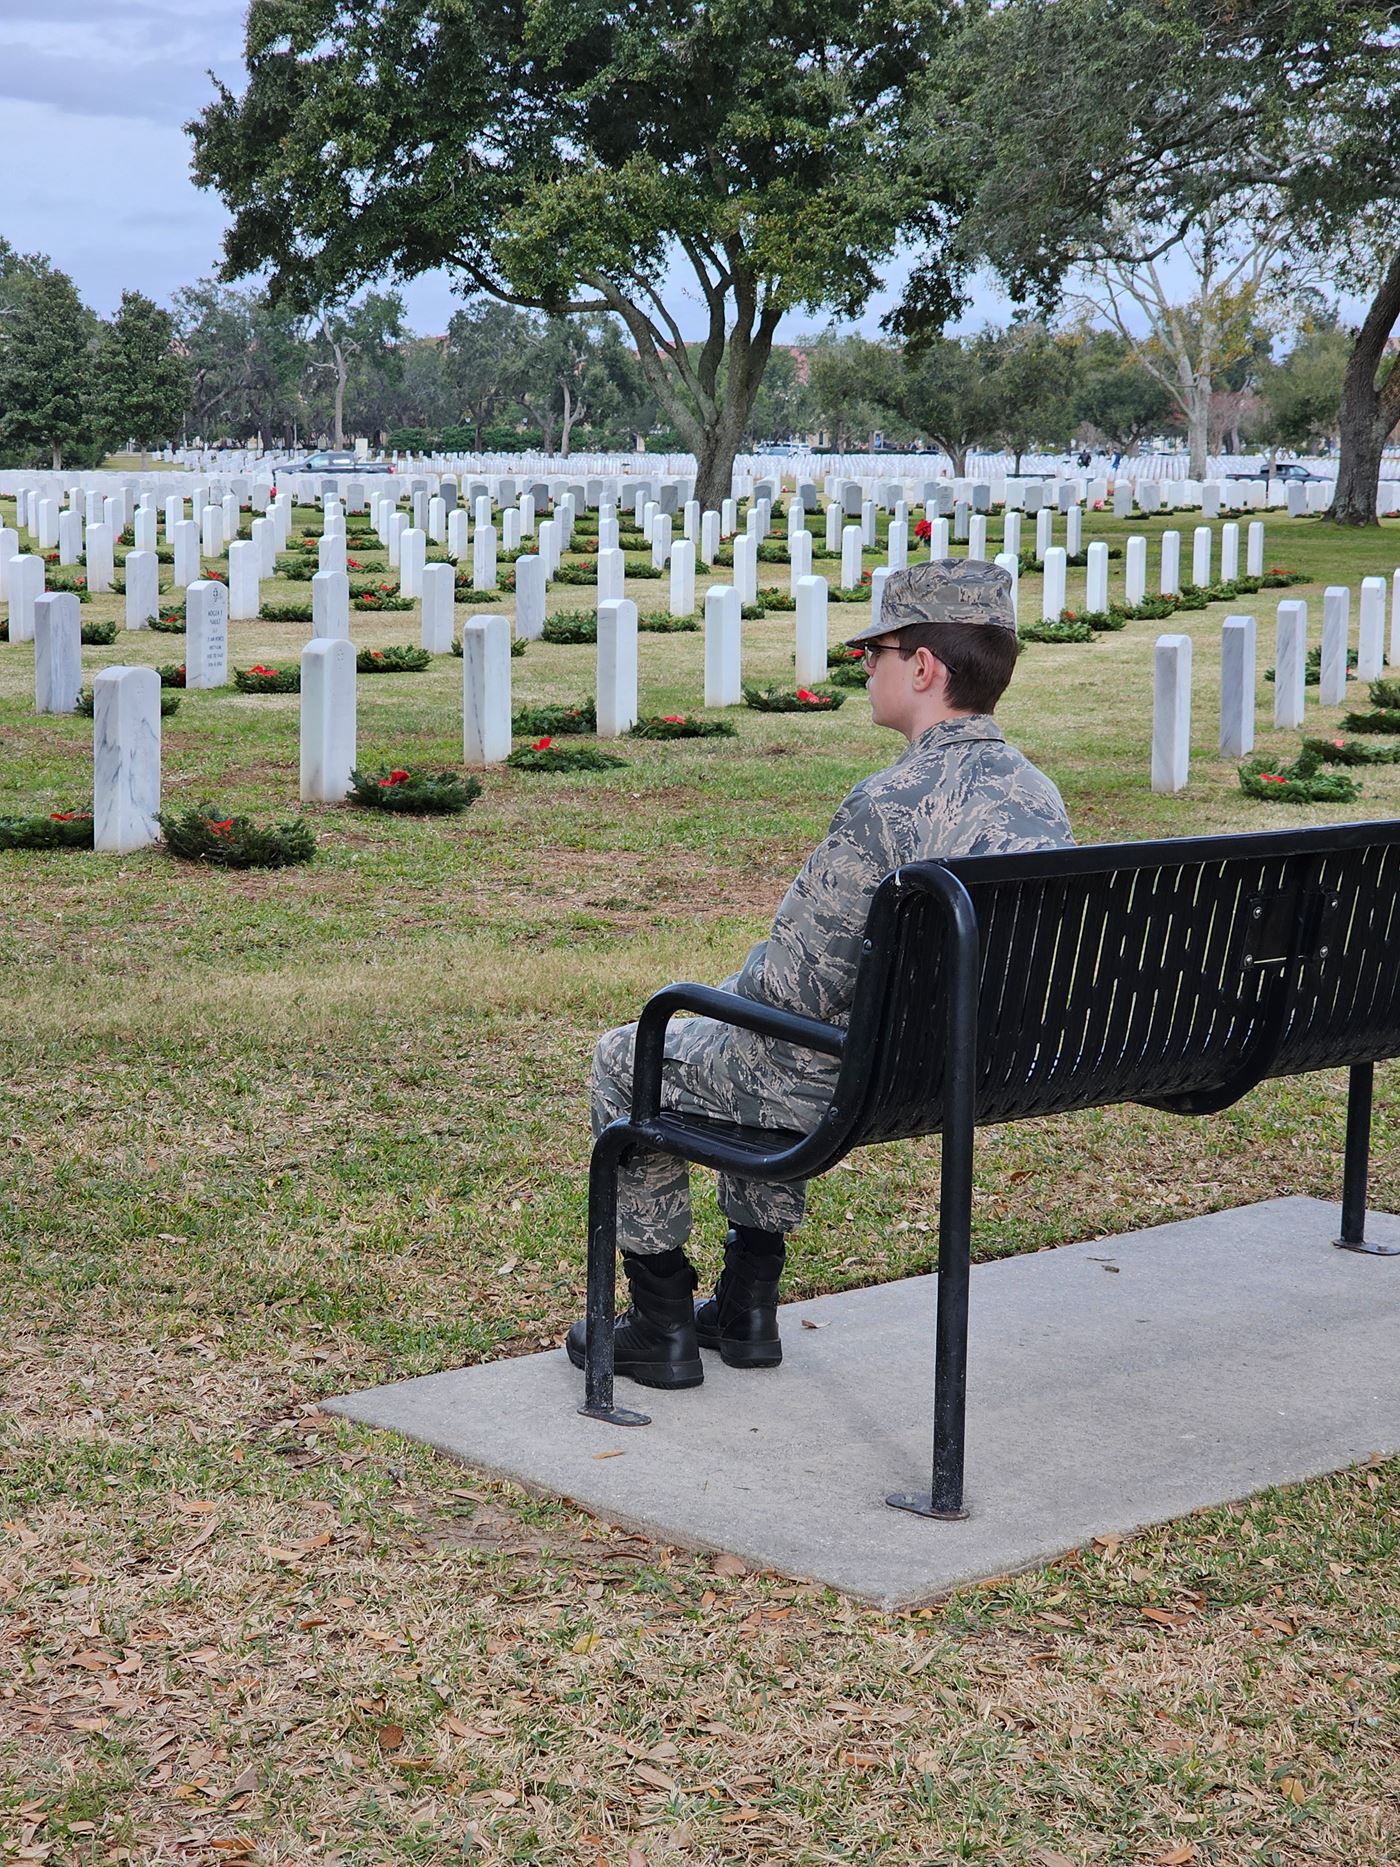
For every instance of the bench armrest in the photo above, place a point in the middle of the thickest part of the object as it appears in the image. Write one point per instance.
(749, 1014)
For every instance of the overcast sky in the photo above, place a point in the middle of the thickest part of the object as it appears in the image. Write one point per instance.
(93, 94)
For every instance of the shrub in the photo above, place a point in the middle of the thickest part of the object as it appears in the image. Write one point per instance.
(235, 842)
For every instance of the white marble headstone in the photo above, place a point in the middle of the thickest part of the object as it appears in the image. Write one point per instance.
(723, 626)
(529, 597)
(58, 656)
(24, 585)
(125, 759)
(1052, 599)
(1290, 662)
(1171, 713)
(1237, 682)
(617, 664)
(1336, 639)
(142, 588)
(328, 722)
(330, 605)
(746, 568)
(812, 638)
(439, 589)
(485, 690)
(206, 634)
(1370, 647)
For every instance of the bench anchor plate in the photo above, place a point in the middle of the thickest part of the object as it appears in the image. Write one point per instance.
(919, 1504)
(616, 1416)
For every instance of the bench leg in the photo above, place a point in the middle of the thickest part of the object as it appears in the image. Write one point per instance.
(601, 1305)
(1356, 1166)
(945, 1496)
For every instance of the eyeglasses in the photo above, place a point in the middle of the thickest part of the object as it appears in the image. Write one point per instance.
(872, 651)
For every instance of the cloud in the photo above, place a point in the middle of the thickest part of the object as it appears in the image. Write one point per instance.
(153, 90)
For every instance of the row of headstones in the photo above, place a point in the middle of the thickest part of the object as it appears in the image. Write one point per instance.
(57, 637)
(126, 700)
(1096, 597)
(1171, 673)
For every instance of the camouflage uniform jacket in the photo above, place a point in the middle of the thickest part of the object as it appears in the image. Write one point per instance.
(957, 790)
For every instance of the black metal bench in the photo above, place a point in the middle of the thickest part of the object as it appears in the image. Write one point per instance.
(1178, 974)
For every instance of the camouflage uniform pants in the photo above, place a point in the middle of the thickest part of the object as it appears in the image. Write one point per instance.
(710, 1069)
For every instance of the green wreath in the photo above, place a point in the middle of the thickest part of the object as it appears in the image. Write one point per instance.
(398, 660)
(543, 756)
(561, 720)
(790, 700)
(417, 792)
(235, 842)
(61, 829)
(1302, 782)
(680, 726)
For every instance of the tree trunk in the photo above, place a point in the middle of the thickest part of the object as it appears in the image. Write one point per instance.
(1198, 427)
(57, 455)
(1368, 414)
(568, 424)
(342, 373)
(719, 443)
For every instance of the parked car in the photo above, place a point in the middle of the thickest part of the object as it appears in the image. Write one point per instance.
(335, 462)
(1281, 470)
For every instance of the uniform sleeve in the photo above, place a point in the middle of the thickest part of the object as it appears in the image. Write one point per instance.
(808, 962)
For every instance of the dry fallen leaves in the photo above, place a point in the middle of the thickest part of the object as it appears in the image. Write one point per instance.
(725, 1564)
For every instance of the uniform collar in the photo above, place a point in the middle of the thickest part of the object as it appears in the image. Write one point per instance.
(949, 733)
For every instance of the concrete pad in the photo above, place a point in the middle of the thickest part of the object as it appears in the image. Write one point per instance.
(1111, 1385)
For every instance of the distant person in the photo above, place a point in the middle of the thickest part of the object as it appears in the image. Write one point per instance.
(939, 660)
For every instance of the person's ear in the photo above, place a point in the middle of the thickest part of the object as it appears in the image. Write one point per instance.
(929, 671)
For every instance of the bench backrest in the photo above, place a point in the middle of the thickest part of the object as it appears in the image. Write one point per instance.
(1176, 973)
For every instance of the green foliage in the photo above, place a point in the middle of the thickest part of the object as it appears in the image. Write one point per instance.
(660, 622)
(571, 626)
(1150, 609)
(555, 720)
(375, 601)
(1101, 621)
(46, 366)
(235, 842)
(172, 674)
(620, 144)
(552, 758)
(517, 647)
(851, 675)
(98, 634)
(1352, 752)
(1061, 631)
(788, 700)
(284, 612)
(61, 829)
(1312, 666)
(142, 381)
(1385, 714)
(396, 660)
(680, 726)
(169, 702)
(168, 622)
(417, 793)
(1302, 782)
(261, 680)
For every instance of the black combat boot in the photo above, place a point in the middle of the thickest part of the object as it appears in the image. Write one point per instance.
(654, 1341)
(741, 1318)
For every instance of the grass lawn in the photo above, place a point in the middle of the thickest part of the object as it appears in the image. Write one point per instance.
(272, 1135)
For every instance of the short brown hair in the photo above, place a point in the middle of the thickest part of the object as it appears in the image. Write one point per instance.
(979, 659)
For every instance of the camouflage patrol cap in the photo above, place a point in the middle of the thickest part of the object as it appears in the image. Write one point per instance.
(943, 590)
